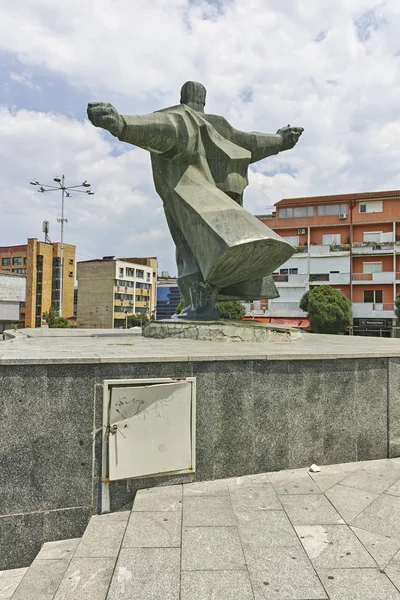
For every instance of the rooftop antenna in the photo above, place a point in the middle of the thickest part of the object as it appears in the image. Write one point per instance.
(46, 229)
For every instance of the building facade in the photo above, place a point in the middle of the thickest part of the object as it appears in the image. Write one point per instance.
(12, 300)
(348, 241)
(111, 289)
(168, 296)
(40, 262)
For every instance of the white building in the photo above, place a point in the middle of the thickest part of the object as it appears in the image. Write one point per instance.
(12, 299)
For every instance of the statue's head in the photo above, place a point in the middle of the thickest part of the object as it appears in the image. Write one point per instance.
(193, 94)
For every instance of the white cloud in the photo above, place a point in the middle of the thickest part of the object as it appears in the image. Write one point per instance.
(329, 66)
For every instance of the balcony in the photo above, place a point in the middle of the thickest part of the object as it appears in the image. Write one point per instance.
(330, 278)
(284, 309)
(370, 310)
(295, 280)
(371, 278)
(376, 248)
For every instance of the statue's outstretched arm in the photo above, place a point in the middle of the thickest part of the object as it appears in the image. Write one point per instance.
(262, 145)
(156, 132)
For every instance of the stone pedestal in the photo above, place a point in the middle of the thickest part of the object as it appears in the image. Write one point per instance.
(224, 331)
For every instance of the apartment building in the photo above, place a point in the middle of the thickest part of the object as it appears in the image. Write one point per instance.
(12, 300)
(110, 289)
(349, 241)
(40, 262)
(168, 296)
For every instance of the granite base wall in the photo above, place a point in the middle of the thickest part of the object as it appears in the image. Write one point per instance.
(252, 416)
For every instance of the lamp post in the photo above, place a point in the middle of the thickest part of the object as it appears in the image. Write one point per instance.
(65, 192)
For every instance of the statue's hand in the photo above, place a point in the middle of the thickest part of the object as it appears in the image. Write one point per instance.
(290, 136)
(103, 114)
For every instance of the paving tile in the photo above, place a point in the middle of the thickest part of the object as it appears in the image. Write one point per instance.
(168, 498)
(254, 497)
(86, 578)
(282, 574)
(394, 576)
(375, 476)
(310, 509)
(357, 584)
(146, 574)
(9, 580)
(381, 547)
(153, 530)
(333, 547)
(103, 536)
(266, 528)
(394, 489)
(330, 475)
(348, 501)
(41, 580)
(382, 516)
(208, 511)
(210, 585)
(211, 548)
(293, 482)
(57, 550)
(257, 479)
(206, 488)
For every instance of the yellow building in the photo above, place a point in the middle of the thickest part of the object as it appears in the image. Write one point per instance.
(110, 289)
(41, 262)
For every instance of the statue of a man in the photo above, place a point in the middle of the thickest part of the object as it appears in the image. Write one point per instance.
(200, 165)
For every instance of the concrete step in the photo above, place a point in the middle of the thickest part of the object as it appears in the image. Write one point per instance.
(9, 581)
(77, 569)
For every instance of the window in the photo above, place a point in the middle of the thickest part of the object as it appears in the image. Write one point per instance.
(372, 236)
(121, 272)
(292, 239)
(326, 210)
(20, 271)
(331, 238)
(142, 286)
(371, 207)
(297, 212)
(5, 262)
(25, 261)
(289, 271)
(123, 296)
(17, 260)
(372, 267)
(130, 272)
(123, 283)
(375, 296)
(148, 276)
(139, 273)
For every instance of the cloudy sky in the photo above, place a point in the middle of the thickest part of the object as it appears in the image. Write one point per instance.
(331, 66)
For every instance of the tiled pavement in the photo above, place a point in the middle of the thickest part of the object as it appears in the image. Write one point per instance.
(290, 535)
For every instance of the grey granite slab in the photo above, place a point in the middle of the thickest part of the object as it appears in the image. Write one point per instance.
(333, 547)
(358, 584)
(282, 573)
(375, 476)
(254, 497)
(211, 548)
(293, 482)
(206, 488)
(153, 530)
(58, 550)
(330, 475)
(103, 536)
(266, 528)
(41, 580)
(167, 498)
(208, 511)
(382, 516)
(146, 574)
(381, 547)
(348, 501)
(86, 578)
(310, 509)
(9, 580)
(209, 585)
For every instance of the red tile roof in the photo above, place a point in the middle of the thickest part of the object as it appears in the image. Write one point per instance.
(338, 198)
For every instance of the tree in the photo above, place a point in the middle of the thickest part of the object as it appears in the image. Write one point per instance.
(328, 310)
(397, 310)
(137, 320)
(228, 309)
(53, 319)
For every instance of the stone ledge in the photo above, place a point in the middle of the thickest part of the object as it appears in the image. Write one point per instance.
(221, 331)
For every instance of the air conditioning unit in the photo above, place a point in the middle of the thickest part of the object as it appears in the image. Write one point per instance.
(301, 231)
(342, 216)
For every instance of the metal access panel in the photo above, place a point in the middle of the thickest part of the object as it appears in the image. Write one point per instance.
(149, 427)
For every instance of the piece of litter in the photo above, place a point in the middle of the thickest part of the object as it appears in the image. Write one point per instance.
(314, 469)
